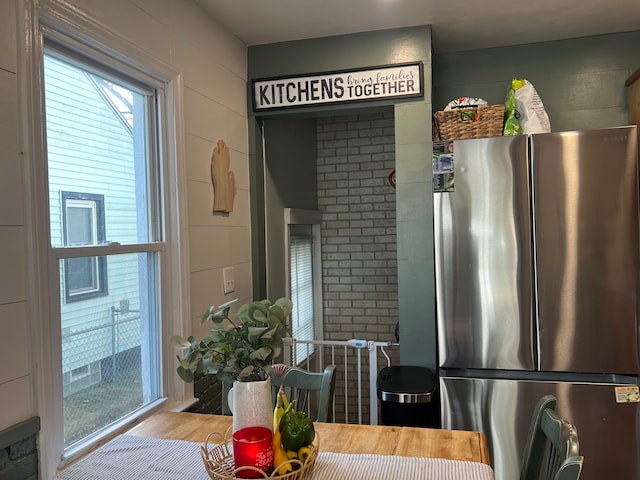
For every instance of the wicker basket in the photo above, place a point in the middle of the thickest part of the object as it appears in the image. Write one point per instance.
(218, 460)
(470, 122)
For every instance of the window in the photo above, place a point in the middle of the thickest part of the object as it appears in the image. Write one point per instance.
(304, 279)
(83, 224)
(80, 372)
(81, 378)
(107, 238)
(301, 271)
(104, 129)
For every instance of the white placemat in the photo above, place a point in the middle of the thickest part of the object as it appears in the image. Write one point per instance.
(343, 466)
(128, 457)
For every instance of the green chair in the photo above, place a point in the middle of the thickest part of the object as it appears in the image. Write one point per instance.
(312, 391)
(552, 446)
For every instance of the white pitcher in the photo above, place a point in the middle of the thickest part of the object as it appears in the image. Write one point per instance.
(251, 404)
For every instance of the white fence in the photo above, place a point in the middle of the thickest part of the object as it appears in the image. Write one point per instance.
(353, 358)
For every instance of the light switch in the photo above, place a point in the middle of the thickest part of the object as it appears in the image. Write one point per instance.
(228, 280)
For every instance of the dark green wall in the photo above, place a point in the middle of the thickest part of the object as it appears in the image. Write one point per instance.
(580, 81)
(413, 164)
(290, 182)
(290, 153)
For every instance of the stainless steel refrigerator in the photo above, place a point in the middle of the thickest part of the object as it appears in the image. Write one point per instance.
(537, 274)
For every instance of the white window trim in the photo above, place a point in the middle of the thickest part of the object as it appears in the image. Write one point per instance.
(50, 18)
(92, 206)
(295, 216)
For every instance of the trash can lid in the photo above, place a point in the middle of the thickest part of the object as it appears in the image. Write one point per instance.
(406, 384)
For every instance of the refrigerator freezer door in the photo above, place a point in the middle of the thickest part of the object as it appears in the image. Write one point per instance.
(585, 197)
(502, 409)
(483, 258)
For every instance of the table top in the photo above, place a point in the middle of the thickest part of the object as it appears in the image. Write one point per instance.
(334, 437)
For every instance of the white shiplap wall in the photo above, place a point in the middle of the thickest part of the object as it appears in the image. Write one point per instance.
(213, 63)
(16, 397)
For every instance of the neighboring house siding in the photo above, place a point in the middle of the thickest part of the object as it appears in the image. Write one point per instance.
(108, 171)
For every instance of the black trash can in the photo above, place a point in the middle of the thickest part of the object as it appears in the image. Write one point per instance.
(409, 397)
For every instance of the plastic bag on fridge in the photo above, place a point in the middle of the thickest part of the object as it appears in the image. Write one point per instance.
(525, 112)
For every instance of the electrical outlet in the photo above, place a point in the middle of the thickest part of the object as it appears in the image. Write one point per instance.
(228, 280)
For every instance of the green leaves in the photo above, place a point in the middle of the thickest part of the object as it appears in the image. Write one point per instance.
(185, 374)
(179, 342)
(241, 350)
(219, 315)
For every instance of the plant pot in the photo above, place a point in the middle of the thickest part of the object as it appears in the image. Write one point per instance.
(251, 404)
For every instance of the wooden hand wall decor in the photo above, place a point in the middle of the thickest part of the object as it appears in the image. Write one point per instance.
(224, 183)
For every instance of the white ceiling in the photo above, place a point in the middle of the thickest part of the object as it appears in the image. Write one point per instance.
(457, 24)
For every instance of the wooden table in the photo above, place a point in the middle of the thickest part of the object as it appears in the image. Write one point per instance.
(335, 437)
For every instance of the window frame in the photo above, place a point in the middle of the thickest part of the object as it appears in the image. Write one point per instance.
(63, 23)
(294, 216)
(301, 263)
(153, 241)
(96, 203)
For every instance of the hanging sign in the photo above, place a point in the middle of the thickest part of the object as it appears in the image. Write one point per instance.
(358, 85)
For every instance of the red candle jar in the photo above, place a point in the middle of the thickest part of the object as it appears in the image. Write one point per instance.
(253, 447)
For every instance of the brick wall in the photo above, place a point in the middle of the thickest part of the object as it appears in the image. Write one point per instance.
(208, 390)
(19, 461)
(19, 451)
(356, 154)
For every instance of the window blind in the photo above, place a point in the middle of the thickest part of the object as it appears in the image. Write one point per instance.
(301, 274)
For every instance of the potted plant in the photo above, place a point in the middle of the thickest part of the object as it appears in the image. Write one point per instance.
(239, 353)
(236, 350)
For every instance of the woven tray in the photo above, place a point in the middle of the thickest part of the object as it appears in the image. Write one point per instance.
(470, 122)
(218, 460)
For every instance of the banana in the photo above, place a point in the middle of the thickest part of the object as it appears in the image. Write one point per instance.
(285, 400)
(280, 457)
(278, 411)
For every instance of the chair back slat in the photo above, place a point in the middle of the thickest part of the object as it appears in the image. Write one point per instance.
(306, 387)
(570, 469)
(552, 442)
(553, 464)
